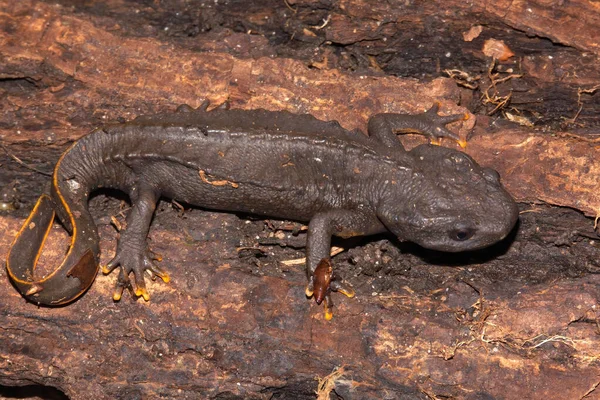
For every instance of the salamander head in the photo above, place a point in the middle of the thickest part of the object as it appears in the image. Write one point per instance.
(450, 204)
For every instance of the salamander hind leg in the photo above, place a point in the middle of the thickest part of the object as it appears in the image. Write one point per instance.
(132, 253)
(129, 259)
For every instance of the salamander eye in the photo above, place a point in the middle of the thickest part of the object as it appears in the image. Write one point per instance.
(462, 234)
(491, 175)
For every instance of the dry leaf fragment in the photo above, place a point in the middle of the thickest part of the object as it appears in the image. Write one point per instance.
(497, 49)
(472, 33)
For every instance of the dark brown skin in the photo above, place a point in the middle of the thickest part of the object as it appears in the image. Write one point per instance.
(267, 163)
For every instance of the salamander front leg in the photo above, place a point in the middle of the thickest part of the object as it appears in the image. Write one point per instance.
(132, 253)
(384, 127)
(319, 270)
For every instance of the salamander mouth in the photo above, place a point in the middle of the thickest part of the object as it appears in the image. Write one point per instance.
(452, 247)
(456, 240)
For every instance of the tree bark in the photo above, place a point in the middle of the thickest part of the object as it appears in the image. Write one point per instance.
(234, 321)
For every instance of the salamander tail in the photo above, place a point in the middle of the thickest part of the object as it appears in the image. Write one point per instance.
(74, 275)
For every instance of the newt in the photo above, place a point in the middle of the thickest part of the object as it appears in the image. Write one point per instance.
(275, 164)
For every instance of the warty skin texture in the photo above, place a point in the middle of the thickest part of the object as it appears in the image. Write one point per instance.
(274, 164)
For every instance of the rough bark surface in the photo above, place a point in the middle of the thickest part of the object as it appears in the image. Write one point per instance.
(234, 322)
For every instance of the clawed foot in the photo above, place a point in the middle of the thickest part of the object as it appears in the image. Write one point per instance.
(437, 125)
(322, 283)
(136, 262)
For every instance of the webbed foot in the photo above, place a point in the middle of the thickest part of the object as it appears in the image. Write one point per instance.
(322, 283)
(137, 262)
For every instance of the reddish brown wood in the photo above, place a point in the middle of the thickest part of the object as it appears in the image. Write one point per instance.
(515, 322)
